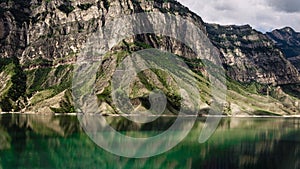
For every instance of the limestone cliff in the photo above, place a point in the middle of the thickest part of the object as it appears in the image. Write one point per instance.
(40, 40)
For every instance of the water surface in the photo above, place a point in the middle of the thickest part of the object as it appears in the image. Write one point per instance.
(36, 141)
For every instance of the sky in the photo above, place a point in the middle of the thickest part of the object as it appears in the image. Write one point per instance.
(263, 15)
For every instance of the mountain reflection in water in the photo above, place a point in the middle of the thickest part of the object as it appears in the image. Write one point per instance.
(36, 141)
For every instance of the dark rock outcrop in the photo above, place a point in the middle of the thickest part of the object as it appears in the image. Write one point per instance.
(288, 40)
(249, 55)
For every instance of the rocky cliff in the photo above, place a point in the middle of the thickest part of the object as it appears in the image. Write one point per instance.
(288, 40)
(250, 55)
(40, 40)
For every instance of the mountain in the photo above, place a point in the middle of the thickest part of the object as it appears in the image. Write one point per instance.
(40, 41)
(251, 56)
(288, 40)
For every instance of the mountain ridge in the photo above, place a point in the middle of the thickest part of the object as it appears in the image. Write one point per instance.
(243, 46)
(49, 35)
(288, 40)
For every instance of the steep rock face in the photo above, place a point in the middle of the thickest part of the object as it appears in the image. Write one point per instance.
(249, 55)
(46, 37)
(288, 40)
(13, 27)
(52, 32)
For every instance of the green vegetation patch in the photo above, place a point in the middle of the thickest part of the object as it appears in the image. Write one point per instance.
(58, 79)
(16, 86)
(39, 77)
(66, 105)
(39, 62)
(142, 44)
(246, 88)
(40, 96)
(105, 96)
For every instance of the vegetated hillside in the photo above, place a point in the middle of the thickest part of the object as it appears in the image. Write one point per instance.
(40, 41)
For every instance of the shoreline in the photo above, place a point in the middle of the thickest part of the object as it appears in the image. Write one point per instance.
(119, 115)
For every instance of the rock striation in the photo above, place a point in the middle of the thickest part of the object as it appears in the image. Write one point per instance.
(40, 41)
(249, 55)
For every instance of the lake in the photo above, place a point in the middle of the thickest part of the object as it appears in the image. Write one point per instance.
(40, 141)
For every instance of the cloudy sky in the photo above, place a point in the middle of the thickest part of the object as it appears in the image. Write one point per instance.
(263, 15)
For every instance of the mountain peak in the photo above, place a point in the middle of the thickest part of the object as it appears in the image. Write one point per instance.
(288, 30)
(289, 41)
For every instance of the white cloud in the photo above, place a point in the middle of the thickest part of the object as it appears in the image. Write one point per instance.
(263, 15)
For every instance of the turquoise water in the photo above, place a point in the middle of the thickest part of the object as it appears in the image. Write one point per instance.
(35, 141)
